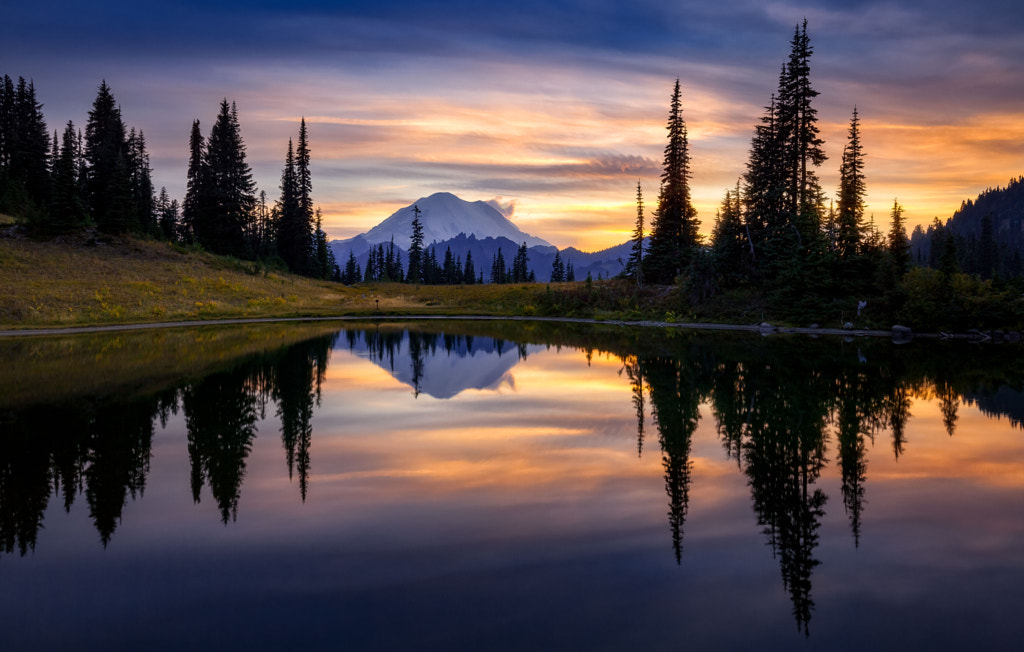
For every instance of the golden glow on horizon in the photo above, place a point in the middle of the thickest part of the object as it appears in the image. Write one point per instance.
(570, 156)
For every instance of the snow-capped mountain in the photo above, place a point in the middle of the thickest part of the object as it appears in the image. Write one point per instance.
(476, 228)
(444, 371)
(444, 216)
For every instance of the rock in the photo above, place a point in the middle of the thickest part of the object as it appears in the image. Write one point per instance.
(814, 326)
(901, 334)
(848, 326)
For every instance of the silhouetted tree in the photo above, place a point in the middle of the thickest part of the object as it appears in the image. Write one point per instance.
(634, 266)
(674, 231)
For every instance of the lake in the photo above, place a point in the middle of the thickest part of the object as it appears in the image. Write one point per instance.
(508, 486)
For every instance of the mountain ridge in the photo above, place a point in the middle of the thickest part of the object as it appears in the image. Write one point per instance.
(485, 238)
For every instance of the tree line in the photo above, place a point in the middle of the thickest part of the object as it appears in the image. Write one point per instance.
(782, 441)
(779, 242)
(102, 179)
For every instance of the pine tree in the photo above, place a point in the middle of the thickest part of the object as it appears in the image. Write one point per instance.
(195, 209)
(27, 169)
(899, 245)
(415, 271)
(351, 275)
(798, 132)
(105, 145)
(67, 210)
(634, 266)
(293, 240)
(231, 189)
(468, 272)
(764, 189)
(521, 265)
(557, 269)
(448, 275)
(325, 262)
(142, 210)
(498, 268)
(674, 232)
(728, 240)
(852, 188)
(570, 272)
(303, 176)
(369, 273)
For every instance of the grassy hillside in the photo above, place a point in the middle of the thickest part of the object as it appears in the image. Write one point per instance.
(87, 280)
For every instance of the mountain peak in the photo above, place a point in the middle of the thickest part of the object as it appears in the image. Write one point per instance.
(444, 216)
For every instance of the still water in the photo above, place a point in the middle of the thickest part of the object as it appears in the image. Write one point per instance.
(489, 486)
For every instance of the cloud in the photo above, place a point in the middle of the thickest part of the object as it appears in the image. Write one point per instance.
(506, 207)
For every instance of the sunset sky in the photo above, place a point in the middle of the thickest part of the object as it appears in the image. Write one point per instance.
(555, 107)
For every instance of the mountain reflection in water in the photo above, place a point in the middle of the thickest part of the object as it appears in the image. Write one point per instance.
(521, 445)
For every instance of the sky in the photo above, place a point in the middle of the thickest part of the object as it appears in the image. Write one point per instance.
(553, 109)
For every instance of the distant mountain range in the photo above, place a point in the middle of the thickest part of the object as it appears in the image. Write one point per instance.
(477, 227)
(443, 369)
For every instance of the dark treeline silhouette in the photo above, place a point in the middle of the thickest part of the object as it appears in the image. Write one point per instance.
(983, 237)
(101, 178)
(102, 446)
(783, 250)
(784, 409)
(779, 406)
(63, 183)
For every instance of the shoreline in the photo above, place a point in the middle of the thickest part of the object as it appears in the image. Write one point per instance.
(763, 329)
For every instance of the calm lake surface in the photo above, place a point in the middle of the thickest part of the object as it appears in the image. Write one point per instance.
(519, 486)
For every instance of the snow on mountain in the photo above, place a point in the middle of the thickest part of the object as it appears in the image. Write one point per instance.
(444, 216)
(483, 364)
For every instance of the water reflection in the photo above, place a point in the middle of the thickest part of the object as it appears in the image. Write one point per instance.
(784, 411)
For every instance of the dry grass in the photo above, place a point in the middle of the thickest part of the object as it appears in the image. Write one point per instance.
(79, 281)
(85, 280)
(61, 283)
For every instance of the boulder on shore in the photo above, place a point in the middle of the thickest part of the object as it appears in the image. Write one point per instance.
(901, 334)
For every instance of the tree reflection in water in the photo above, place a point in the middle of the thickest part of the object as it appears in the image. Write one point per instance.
(778, 406)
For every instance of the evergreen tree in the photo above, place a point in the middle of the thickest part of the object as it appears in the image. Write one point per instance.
(557, 269)
(231, 189)
(728, 240)
(521, 265)
(570, 273)
(763, 191)
(369, 274)
(30, 151)
(850, 218)
(293, 238)
(798, 133)
(468, 272)
(8, 129)
(674, 232)
(67, 210)
(107, 185)
(303, 176)
(352, 274)
(498, 268)
(415, 271)
(448, 268)
(142, 209)
(167, 216)
(634, 266)
(987, 252)
(195, 209)
(899, 245)
(325, 262)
